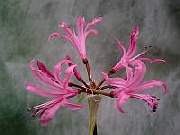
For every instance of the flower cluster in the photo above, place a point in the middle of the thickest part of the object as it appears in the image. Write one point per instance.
(57, 84)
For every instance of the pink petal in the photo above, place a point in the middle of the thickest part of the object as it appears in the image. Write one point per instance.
(129, 73)
(41, 73)
(133, 40)
(52, 108)
(122, 98)
(49, 113)
(54, 36)
(123, 62)
(69, 34)
(90, 32)
(93, 22)
(41, 66)
(71, 93)
(153, 83)
(69, 72)
(150, 100)
(44, 92)
(70, 69)
(121, 47)
(117, 82)
(80, 24)
(118, 66)
(139, 72)
(152, 60)
(58, 70)
(67, 29)
(72, 106)
(76, 73)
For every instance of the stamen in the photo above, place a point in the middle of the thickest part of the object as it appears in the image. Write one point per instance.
(146, 50)
(38, 110)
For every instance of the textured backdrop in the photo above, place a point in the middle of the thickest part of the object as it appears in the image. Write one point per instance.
(24, 28)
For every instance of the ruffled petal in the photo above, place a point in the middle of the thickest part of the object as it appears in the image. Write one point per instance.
(58, 70)
(67, 29)
(117, 82)
(69, 35)
(80, 25)
(49, 112)
(151, 84)
(133, 41)
(122, 98)
(72, 106)
(52, 108)
(121, 47)
(129, 73)
(91, 32)
(139, 71)
(76, 73)
(118, 66)
(150, 100)
(152, 60)
(123, 62)
(41, 66)
(44, 92)
(42, 74)
(54, 35)
(93, 22)
(69, 73)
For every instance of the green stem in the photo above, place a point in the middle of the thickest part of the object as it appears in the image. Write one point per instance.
(93, 109)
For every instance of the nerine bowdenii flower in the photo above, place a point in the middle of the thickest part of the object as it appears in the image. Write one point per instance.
(77, 37)
(52, 85)
(57, 87)
(129, 54)
(134, 86)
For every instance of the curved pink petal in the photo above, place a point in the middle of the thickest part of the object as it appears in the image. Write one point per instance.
(121, 47)
(153, 83)
(93, 22)
(118, 66)
(71, 106)
(41, 66)
(90, 32)
(80, 25)
(69, 72)
(54, 35)
(117, 82)
(69, 34)
(67, 29)
(152, 60)
(41, 73)
(58, 70)
(44, 92)
(49, 113)
(150, 100)
(122, 98)
(139, 71)
(123, 62)
(76, 73)
(129, 73)
(133, 42)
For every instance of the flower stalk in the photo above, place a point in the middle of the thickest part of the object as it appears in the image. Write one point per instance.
(93, 109)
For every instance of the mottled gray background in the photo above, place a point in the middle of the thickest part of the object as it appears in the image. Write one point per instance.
(24, 28)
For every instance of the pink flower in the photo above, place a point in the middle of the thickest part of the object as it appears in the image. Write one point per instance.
(133, 86)
(78, 37)
(52, 85)
(129, 55)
